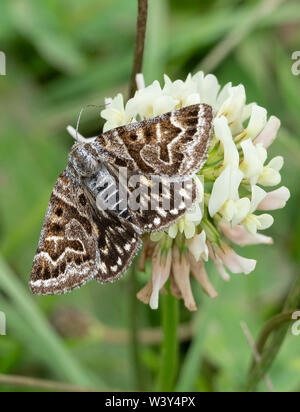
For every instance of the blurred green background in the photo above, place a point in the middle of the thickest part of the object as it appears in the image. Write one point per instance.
(64, 54)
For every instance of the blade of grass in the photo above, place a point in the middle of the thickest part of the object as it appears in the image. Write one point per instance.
(37, 23)
(65, 365)
(270, 353)
(238, 33)
(169, 348)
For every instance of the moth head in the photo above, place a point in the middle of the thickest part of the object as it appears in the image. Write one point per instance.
(83, 160)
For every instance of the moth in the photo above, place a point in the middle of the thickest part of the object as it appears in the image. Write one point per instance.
(79, 241)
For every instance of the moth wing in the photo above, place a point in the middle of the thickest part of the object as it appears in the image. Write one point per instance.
(67, 256)
(118, 243)
(174, 145)
(162, 202)
(151, 203)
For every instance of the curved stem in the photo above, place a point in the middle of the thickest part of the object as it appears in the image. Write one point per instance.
(238, 33)
(139, 44)
(278, 327)
(272, 325)
(169, 350)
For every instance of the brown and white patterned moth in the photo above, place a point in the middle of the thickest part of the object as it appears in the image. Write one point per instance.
(79, 241)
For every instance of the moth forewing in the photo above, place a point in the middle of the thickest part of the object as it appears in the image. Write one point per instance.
(67, 255)
(174, 145)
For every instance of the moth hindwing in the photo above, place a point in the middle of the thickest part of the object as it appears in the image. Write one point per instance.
(81, 241)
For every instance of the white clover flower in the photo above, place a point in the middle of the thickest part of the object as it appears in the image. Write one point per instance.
(151, 101)
(226, 256)
(183, 93)
(241, 237)
(253, 162)
(269, 133)
(270, 175)
(257, 122)
(114, 114)
(225, 193)
(188, 224)
(233, 108)
(225, 196)
(275, 200)
(208, 88)
(253, 165)
(229, 184)
(253, 222)
(198, 247)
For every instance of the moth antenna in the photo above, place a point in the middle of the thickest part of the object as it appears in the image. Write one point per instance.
(78, 123)
(75, 132)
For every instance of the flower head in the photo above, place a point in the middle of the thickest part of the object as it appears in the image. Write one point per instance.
(232, 185)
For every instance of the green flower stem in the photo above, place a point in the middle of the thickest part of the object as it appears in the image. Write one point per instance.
(192, 361)
(169, 348)
(277, 327)
(134, 338)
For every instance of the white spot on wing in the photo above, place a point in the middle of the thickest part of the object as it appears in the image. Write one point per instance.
(119, 249)
(157, 221)
(103, 267)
